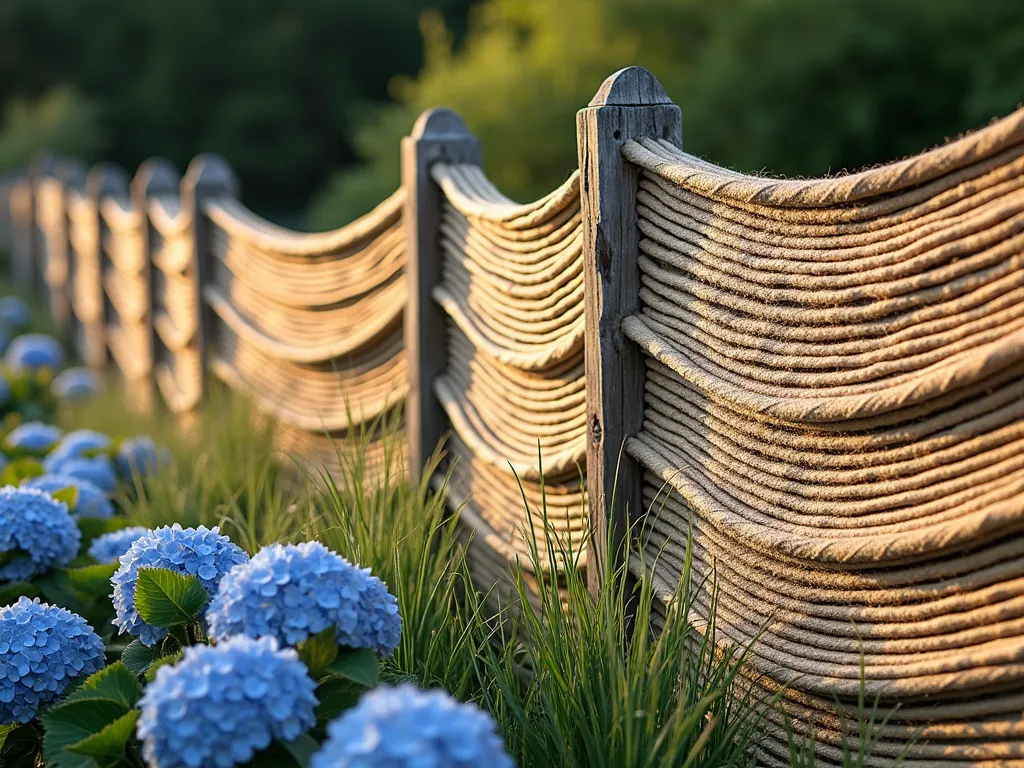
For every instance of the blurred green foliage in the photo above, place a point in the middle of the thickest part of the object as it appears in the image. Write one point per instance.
(790, 87)
(273, 85)
(61, 121)
(312, 96)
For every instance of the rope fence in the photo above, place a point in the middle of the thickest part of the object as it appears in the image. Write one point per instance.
(817, 386)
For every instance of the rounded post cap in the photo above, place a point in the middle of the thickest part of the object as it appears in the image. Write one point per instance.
(630, 87)
(106, 179)
(439, 123)
(156, 176)
(211, 171)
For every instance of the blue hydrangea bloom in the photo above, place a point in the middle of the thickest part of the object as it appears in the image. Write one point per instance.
(294, 591)
(75, 385)
(92, 502)
(142, 455)
(43, 648)
(39, 529)
(75, 444)
(33, 436)
(14, 313)
(198, 552)
(98, 470)
(109, 547)
(221, 704)
(33, 351)
(404, 727)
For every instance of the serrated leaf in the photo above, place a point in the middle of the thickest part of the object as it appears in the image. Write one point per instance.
(108, 744)
(114, 684)
(166, 599)
(10, 593)
(93, 580)
(319, 651)
(358, 665)
(336, 694)
(138, 658)
(67, 495)
(163, 661)
(71, 723)
(19, 470)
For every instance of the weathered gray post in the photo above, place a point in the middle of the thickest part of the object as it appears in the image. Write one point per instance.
(629, 105)
(154, 177)
(439, 135)
(208, 177)
(89, 297)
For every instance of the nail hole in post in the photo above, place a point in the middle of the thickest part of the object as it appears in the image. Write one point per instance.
(617, 135)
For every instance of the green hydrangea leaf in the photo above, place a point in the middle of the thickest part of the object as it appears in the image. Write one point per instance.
(164, 598)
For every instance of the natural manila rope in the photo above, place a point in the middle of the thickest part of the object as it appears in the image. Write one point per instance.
(834, 410)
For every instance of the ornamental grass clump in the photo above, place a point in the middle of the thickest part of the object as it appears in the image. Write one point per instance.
(109, 547)
(404, 727)
(90, 502)
(43, 649)
(294, 591)
(33, 352)
(199, 552)
(36, 533)
(221, 705)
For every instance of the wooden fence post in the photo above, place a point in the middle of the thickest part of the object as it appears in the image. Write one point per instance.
(630, 104)
(90, 299)
(155, 176)
(44, 167)
(439, 135)
(71, 175)
(208, 177)
(22, 208)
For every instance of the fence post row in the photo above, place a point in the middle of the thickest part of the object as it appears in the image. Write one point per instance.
(630, 104)
(69, 175)
(208, 177)
(439, 134)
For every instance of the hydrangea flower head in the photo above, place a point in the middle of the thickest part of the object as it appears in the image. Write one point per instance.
(74, 385)
(43, 648)
(141, 455)
(14, 313)
(109, 547)
(294, 591)
(34, 351)
(38, 529)
(404, 727)
(74, 445)
(197, 552)
(92, 502)
(221, 704)
(98, 470)
(33, 436)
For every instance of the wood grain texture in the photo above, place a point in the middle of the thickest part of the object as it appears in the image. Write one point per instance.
(103, 180)
(630, 104)
(439, 135)
(155, 177)
(207, 177)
